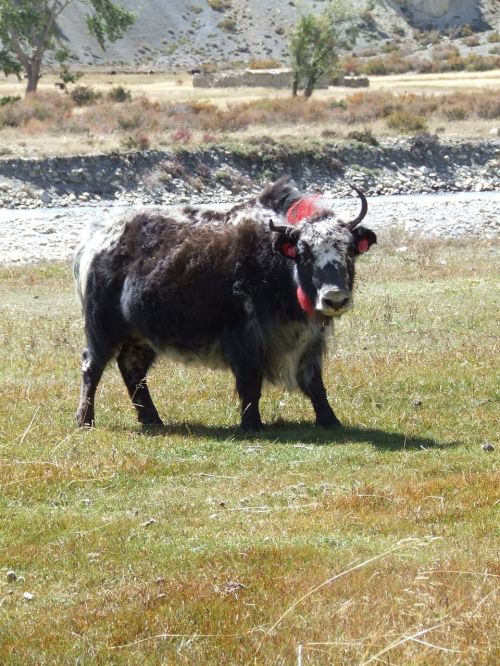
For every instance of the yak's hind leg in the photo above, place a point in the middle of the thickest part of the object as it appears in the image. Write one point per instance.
(310, 381)
(134, 360)
(91, 374)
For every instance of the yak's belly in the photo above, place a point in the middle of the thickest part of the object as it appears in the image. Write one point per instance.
(209, 356)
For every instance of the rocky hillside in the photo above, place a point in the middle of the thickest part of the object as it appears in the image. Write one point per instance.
(175, 34)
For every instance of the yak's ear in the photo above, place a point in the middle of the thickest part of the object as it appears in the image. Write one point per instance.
(285, 240)
(363, 238)
(287, 248)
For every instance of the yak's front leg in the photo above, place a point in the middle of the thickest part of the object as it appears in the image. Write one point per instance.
(249, 387)
(310, 381)
(134, 360)
(91, 375)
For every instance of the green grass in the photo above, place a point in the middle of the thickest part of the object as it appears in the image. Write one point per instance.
(246, 527)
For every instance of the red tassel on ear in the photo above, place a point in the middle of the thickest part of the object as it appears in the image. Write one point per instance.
(289, 250)
(363, 245)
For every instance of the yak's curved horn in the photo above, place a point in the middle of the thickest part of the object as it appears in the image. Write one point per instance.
(363, 211)
(287, 229)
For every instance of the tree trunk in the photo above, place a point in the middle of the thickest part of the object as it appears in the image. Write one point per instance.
(295, 85)
(33, 72)
(308, 91)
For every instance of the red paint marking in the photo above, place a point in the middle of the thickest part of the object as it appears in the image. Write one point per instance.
(303, 208)
(289, 250)
(363, 245)
(305, 302)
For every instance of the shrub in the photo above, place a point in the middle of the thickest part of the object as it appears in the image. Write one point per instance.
(473, 40)
(375, 67)
(131, 120)
(494, 37)
(228, 25)
(406, 122)
(456, 113)
(219, 5)
(390, 47)
(463, 31)
(138, 141)
(47, 108)
(366, 136)
(209, 137)
(119, 94)
(477, 63)
(487, 107)
(427, 37)
(9, 99)
(84, 95)
(181, 135)
(203, 106)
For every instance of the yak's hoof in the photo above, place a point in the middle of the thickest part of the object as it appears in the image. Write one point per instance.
(84, 420)
(152, 423)
(252, 426)
(329, 423)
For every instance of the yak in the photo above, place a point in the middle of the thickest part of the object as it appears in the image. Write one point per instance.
(254, 289)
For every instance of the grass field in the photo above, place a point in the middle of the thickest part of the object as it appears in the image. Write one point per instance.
(376, 544)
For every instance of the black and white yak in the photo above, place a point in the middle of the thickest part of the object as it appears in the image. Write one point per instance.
(252, 289)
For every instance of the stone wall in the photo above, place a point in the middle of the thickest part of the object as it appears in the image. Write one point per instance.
(252, 78)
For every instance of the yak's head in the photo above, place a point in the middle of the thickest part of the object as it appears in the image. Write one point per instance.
(324, 250)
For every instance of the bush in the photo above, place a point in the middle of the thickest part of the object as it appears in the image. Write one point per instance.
(219, 5)
(138, 141)
(494, 37)
(473, 40)
(9, 99)
(406, 122)
(84, 95)
(228, 25)
(48, 109)
(181, 135)
(456, 113)
(375, 67)
(366, 136)
(119, 94)
(487, 108)
(477, 63)
(130, 120)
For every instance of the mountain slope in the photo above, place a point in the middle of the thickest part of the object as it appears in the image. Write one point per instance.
(174, 34)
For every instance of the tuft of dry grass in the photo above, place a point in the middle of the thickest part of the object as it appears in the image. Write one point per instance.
(201, 544)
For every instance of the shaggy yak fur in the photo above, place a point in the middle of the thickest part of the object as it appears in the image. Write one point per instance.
(243, 289)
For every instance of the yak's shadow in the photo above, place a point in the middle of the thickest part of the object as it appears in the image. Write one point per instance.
(285, 432)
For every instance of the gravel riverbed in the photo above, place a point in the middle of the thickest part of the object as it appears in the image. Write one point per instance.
(422, 185)
(29, 236)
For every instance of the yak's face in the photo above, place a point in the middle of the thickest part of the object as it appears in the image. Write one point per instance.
(324, 252)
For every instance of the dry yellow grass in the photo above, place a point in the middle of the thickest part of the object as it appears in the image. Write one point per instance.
(167, 87)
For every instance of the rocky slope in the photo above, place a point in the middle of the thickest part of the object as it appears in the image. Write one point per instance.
(174, 34)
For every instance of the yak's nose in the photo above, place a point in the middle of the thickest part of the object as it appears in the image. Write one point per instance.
(335, 299)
